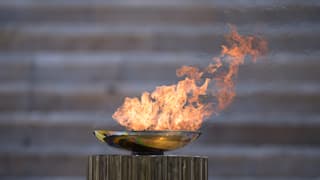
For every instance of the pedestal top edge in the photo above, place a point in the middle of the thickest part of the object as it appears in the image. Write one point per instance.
(149, 156)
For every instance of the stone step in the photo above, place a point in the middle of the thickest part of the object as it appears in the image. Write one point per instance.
(37, 129)
(166, 12)
(103, 118)
(210, 178)
(260, 178)
(206, 38)
(257, 161)
(260, 97)
(110, 67)
(165, 3)
(43, 177)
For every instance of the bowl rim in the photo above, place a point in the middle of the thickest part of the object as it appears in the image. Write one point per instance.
(147, 132)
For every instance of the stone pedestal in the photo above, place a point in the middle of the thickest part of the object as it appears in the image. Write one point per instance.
(147, 167)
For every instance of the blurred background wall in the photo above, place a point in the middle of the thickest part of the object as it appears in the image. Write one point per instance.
(66, 65)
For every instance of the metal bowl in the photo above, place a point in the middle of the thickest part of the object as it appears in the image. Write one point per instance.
(147, 142)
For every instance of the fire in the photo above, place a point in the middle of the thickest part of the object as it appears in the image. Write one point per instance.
(202, 92)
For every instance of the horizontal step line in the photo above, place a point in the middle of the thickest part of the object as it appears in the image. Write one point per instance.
(166, 3)
(265, 177)
(288, 119)
(43, 177)
(153, 29)
(210, 178)
(97, 59)
(220, 150)
(135, 88)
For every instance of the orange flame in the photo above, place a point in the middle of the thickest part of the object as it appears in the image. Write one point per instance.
(185, 105)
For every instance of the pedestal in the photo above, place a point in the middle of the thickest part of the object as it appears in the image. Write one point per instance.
(147, 167)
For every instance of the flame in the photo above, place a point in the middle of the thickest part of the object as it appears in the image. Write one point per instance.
(185, 105)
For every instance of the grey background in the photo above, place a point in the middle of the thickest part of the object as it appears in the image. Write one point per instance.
(66, 65)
